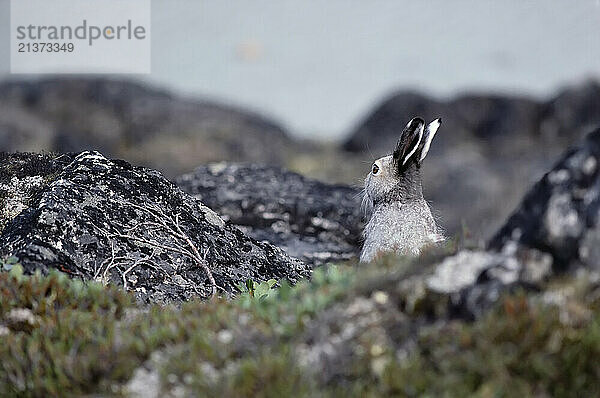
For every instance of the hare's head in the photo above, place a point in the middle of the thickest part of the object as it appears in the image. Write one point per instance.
(396, 177)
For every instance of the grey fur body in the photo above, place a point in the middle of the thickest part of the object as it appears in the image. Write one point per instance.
(400, 218)
(404, 228)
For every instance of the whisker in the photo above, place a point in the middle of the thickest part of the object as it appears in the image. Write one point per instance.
(358, 183)
(370, 152)
(358, 194)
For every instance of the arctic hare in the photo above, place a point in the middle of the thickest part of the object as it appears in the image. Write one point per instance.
(400, 220)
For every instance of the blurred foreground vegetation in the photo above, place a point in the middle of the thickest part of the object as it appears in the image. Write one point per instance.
(60, 337)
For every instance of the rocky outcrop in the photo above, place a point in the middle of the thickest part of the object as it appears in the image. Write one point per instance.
(472, 281)
(473, 117)
(487, 119)
(105, 220)
(380, 129)
(573, 109)
(22, 177)
(135, 122)
(311, 220)
(553, 231)
(559, 215)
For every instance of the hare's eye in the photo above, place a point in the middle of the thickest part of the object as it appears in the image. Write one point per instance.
(375, 169)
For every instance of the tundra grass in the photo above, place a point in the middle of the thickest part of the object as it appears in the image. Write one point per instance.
(62, 337)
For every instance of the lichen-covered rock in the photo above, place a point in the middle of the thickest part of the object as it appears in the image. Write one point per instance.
(560, 213)
(474, 280)
(311, 220)
(106, 220)
(22, 177)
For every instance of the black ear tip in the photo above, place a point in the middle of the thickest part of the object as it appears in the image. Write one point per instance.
(439, 120)
(415, 122)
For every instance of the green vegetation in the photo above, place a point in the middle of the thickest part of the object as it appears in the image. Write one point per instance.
(60, 336)
(517, 350)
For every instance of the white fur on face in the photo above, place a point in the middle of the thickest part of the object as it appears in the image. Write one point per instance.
(378, 185)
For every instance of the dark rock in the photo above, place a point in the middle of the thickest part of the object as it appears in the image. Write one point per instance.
(106, 220)
(574, 108)
(485, 119)
(132, 121)
(559, 215)
(311, 220)
(493, 119)
(380, 130)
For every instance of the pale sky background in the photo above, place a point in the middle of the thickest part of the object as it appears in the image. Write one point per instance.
(318, 67)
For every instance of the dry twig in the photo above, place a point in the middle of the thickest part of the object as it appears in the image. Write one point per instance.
(181, 244)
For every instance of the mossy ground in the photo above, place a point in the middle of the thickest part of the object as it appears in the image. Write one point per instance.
(83, 338)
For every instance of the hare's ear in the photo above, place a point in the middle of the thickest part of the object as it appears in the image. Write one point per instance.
(428, 135)
(408, 143)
